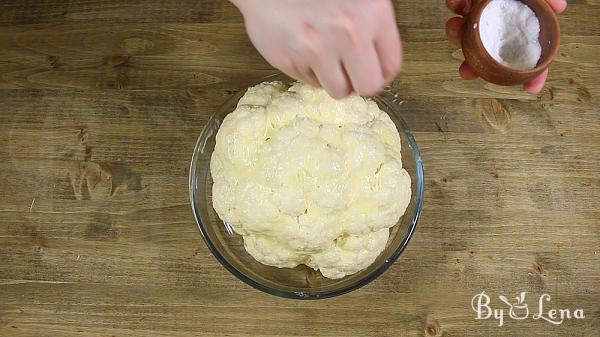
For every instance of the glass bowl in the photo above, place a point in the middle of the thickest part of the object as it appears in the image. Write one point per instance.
(300, 282)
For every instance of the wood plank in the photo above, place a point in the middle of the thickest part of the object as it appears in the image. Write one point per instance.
(201, 56)
(580, 18)
(16, 12)
(133, 57)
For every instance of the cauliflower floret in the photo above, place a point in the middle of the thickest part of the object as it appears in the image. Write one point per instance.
(350, 254)
(364, 150)
(271, 253)
(331, 195)
(255, 219)
(311, 232)
(224, 201)
(290, 200)
(262, 94)
(242, 134)
(284, 109)
(307, 179)
(384, 197)
(332, 134)
(387, 132)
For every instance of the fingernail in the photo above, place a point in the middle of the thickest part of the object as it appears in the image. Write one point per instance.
(467, 7)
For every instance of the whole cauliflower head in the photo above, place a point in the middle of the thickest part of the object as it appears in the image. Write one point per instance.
(306, 179)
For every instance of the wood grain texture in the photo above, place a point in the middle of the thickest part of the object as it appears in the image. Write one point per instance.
(101, 104)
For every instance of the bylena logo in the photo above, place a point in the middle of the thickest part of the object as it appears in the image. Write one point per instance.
(519, 310)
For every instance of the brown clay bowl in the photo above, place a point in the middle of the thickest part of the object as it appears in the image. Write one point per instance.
(493, 71)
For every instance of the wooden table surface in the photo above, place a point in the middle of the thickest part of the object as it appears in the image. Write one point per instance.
(101, 104)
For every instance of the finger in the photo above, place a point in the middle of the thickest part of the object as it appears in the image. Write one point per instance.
(456, 6)
(306, 75)
(388, 47)
(291, 70)
(311, 78)
(331, 76)
(461, 7)
(466, 72)
(355, 46)
(364, 71)
(559, 6)
(454, 28)
(322, 62)
(294, 72)
(309, 81)
(537, 84)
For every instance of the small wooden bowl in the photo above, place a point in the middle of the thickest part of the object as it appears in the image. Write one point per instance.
(493, 71)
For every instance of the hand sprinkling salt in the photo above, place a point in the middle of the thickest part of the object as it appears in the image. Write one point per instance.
(510, 31)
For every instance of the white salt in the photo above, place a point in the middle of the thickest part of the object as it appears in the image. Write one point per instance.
(510, 32)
